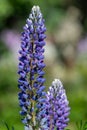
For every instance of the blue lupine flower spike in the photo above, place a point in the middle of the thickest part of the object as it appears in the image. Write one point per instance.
(31, 64)
(57, 109)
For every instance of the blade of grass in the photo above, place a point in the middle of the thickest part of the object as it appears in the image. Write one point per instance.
(85, 126)
(6, 126)
(13, 128)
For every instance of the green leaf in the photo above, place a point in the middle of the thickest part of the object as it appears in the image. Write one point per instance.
(85, 126)
(81, 125)
(13, 128)
(6, 126)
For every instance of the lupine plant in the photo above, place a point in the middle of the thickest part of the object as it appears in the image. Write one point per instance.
(57, 109)
(39, 110)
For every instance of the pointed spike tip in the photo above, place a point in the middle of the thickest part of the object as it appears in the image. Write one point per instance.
(36, 8)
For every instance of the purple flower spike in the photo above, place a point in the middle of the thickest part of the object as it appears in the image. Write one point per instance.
(31, 64)
(57, 109)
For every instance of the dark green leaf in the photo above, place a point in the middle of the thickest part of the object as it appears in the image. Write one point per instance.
(6, 126)
(13, 128)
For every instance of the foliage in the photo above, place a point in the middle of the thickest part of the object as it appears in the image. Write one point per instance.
(7, 126)
(81, 125)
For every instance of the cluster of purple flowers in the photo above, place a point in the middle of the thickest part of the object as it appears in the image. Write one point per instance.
(39, 110)
(57, 109)
(31, 66)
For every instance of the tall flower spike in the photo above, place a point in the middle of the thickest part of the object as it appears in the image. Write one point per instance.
(31, 64)
(57, 109)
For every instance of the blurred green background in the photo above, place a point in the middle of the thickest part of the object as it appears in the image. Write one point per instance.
(65, 55)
